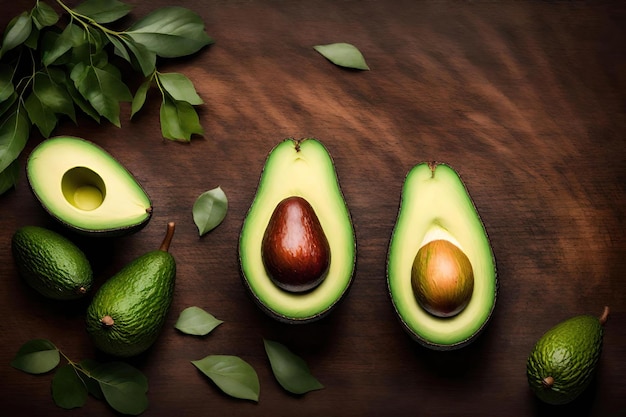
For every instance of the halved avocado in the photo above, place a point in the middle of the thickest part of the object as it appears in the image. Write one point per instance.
(436, 205)
(305, 169)
(85, 188)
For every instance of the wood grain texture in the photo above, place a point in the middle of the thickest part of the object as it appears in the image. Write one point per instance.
(524, 99)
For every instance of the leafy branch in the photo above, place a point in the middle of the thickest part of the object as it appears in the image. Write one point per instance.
(122, 386)
(50, 70)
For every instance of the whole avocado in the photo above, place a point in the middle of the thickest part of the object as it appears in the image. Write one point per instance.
(50, 263)
(127, 312)
(563, 361)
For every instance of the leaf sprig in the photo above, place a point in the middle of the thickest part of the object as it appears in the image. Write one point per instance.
(122, 386)
(50, 70)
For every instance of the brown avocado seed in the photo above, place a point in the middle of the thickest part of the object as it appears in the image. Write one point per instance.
(294, 249)
(442, 278)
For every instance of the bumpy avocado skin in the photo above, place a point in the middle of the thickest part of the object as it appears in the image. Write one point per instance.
(569, 354)
(299, 167)
(435, 203)
(138, 299)
(51, 264)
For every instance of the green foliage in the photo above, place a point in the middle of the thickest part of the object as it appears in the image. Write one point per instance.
(196, 321)
(209, 210)
(121, 385)
(52, 68)
(343, 54)
(232, 375)
(290, 370)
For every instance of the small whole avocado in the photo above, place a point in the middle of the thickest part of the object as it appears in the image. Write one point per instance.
(50, 263)
(441, 271)
(297, 246)
(562, 363)
(85, 188)
(127, 312)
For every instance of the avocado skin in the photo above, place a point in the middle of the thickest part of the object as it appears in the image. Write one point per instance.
(569, 353)
(51, 264)
(138, 299)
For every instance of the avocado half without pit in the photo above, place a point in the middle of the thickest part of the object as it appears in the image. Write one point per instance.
(85, 188)
(441, 271)
(297, 246)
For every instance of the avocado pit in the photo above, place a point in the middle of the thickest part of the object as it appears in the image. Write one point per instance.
(295, 251)
(442, 278)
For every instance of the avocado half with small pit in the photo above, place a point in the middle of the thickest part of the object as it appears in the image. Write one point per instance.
(86, 189)
(441, 271)
(297, 245)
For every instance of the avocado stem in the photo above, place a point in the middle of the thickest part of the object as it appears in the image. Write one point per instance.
(165, 245)
(547, 382)
(605, 315)
(107, 321)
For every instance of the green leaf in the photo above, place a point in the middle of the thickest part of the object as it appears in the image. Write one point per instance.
(9, 177)
(103, 11)
(43, 15)
(6, 82)
(209, 210)
(17, 32)
(40, 115)
(68, 389)
(7, 104)
(53, 96)
(140, 97)
(196, 321)
(14, 132)
(170, 32)
(102, 89)
(179, 87)
(290, 370)
(232, 375)
(37, 356)
(71, 36)
(88, 366)
(144, 59)
(343, 54)
(179, 120)
(123, 386)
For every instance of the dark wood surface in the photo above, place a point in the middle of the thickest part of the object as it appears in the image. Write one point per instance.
(524, 99)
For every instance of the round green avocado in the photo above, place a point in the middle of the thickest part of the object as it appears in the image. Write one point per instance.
(299, 168)
(85, 188)
(436, 205)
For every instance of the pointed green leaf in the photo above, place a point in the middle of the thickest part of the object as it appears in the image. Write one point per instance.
(17, 32)
(63, 42)
(123, 386)
(170, 32)
(343, 54)
(36, 356)
(53, 96)
(143, 58)
(103, 11)
(232, 375)
(179, 120)
(40, 115)
(14, 132)
(290, 370)
(9, 177)
(68, 389)
(140, 97)
(43, 15)
(6, 82)
(196, 321)
(179, 87)
(209, 210)
(120, 49)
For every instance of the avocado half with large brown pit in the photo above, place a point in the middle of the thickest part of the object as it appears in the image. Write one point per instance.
(85, 188)
(441, 271)
(297, 246)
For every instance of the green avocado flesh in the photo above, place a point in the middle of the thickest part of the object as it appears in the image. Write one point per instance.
(436, 205)
(85, 188)
(299, 168)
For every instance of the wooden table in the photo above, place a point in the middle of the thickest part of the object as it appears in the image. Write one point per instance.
(524, 99)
